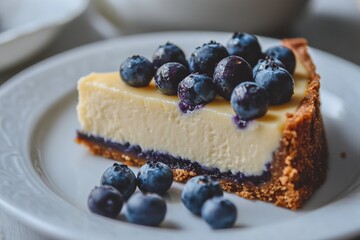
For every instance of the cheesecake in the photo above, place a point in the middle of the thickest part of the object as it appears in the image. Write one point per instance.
(279, 157)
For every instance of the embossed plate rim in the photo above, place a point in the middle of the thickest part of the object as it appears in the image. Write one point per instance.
(28, 198)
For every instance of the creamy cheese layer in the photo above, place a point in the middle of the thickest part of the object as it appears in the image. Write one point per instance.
(115, 111)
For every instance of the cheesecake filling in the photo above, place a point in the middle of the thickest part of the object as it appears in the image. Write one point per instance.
(173, 162)
(109, 109)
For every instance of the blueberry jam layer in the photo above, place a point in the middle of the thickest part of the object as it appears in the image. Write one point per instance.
(175, 162)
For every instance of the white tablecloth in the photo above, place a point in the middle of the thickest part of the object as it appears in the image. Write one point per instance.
(329, 25)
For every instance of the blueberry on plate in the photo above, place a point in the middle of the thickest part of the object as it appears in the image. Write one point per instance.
(154, 177)
(264, 63)
(195, 90)
(285, 55)
(249, 101)
(219, 213)
(137, 71)
(145, 209)
(205, 58)
(106, 201)
(168, 52)
(120, 177)
(168, 77)
(277, 82)
(199, 189)
(246, 46)
(230, 72)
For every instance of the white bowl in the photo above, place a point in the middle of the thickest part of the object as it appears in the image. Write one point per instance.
(255, 16)
(27, 26)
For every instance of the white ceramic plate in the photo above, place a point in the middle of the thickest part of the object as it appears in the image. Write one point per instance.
(27, 26)
(45, 177)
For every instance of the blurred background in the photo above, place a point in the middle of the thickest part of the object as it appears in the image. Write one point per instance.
(33, 30)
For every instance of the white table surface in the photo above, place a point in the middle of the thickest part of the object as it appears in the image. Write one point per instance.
(329, 25)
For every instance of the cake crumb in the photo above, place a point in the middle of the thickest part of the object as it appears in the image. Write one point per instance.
(343, 155)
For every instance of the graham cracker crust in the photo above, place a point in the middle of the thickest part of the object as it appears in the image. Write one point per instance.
(299, 165)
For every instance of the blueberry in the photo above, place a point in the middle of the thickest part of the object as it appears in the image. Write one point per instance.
(120, 177)
(196, 89)
(199, 189)
(285, 55)
(249, 101)
(263, 63)
(205, 58)
(168, 53)
(246, 46)
(168, 77)
(277, 82)
(146, 209)
(106, 201)
(229, 72)
(219, 213)
(136, 71)
(154, 177)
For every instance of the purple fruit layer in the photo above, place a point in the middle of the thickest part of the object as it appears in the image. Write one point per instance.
(175, 162)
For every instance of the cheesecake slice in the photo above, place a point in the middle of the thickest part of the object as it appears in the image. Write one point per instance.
(278, 158)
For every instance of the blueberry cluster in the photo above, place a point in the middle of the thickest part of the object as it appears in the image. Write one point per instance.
(203, 196)
(118, 184)
(240, 72)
